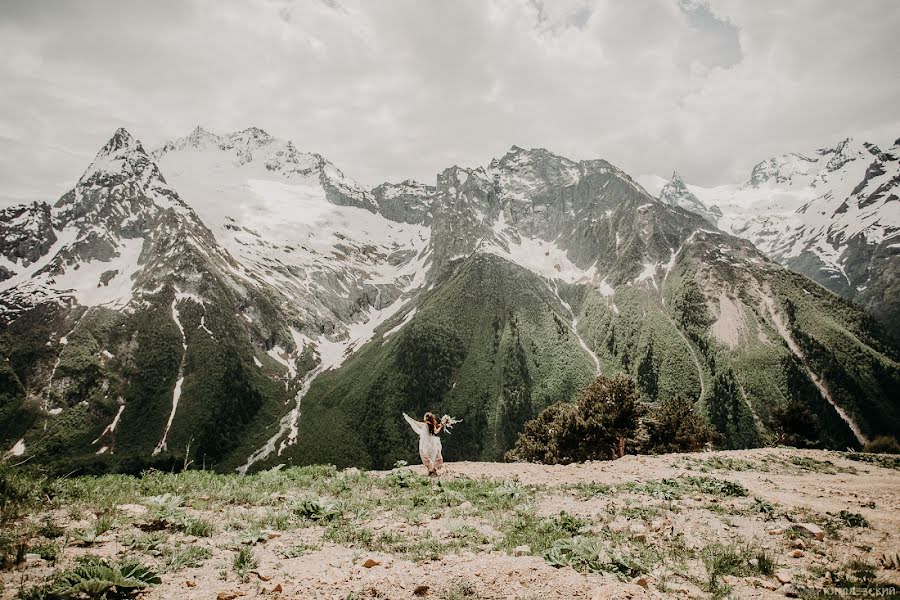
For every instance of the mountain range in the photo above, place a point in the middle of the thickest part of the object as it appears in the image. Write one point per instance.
(832, 214)
(232, 302)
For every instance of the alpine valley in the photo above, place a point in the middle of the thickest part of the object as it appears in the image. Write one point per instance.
(232, 302)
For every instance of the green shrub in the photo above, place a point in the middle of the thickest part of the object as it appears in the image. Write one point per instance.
(673, 426)
(316, 511)
(97, 578)
(594, 428)
(852, 519)
(883, 444)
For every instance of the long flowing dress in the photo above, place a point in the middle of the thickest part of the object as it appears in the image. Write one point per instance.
(429, 445)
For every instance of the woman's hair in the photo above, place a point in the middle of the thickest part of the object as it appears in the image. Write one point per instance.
(433, 426)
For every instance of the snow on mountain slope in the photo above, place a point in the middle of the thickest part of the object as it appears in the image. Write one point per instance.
(98, 230)
(295, 222)
(832, 214)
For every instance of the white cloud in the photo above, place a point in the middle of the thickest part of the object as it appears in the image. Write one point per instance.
(397, 89)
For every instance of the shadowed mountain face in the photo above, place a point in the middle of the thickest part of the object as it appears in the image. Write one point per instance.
(235, 303)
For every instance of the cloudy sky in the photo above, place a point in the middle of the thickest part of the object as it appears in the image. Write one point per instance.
(396, 89)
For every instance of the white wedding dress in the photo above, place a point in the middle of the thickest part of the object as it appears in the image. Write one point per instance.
(429, 445)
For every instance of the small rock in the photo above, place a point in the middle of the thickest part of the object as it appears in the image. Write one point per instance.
(277, 589)
(767, 585)
(272, 535)
(370, 562)
(421, 590)
(783, 577)
(796, 554)
(754, 562)
(190, 583)
(30, 557)
(789, 591)
(522, 550)
(641, 581)
(657, 524)
(261, 576)
(229, 595)
(775, 531)
(465, 505)
(799, 544)
(809, 530)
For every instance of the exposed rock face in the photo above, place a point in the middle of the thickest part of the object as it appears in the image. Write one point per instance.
(832, 214)
(406, 202)
(676, 193)
(26, 234)
(250, 306)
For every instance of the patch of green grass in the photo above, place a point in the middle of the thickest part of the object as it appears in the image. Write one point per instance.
(148, 543)
(721, 560)
(644, 513)
(195, 527)
(315, 510)
(812, 465)
(589, 490)
(761, 507)
(175, 559)
(346, 533)
(20, 491)
(461, 590)
(766, 563)
(467, 536)
(417, 547)
(678, 487)
(881, 460)
(243, 562)
(587, 554)
(852, 519)
(527, 529)
(105, 522)
(724, 463)
(49, 529)
(861, 577)
(49, 551)
(299, 550)
(279, 521)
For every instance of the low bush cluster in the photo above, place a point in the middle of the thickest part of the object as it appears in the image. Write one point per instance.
(598, 426)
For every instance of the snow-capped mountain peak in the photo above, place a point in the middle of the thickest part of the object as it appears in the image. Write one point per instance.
(676, 193)
(807, 169)
(832, 214)
(121, 156)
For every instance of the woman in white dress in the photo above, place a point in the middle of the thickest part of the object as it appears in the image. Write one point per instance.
(429, 442)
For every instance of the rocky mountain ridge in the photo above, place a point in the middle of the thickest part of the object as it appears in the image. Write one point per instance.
(252, 305)
(832, 214)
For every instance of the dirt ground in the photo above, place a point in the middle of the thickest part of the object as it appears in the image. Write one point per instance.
(802, 486)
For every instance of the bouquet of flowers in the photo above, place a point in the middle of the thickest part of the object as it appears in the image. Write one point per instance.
(447, 422)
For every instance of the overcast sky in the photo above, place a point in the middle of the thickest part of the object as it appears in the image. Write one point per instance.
(395, 89)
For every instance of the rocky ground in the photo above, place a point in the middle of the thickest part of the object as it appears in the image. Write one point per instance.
(764, 523)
